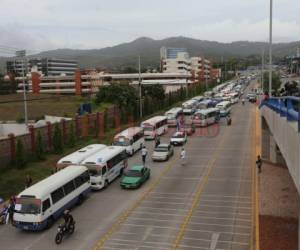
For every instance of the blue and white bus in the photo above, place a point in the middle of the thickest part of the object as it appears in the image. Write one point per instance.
(38, 206)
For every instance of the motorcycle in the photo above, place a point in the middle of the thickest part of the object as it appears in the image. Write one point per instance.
(63, 231)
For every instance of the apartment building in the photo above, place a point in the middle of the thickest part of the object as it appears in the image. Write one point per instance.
(45, 66)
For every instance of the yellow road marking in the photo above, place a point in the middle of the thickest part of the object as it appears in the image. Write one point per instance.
(196, 200)
(123, 217)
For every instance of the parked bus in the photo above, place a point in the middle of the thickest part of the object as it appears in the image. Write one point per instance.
(224, 108)
(189, 107)
(205, 104)
(40, 205)
(132, 139)
(172, 116)
(205, 117)
(79, 156)
(106, 165)
(155, 126)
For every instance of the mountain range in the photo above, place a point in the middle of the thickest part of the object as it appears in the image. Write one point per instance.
(126, 54)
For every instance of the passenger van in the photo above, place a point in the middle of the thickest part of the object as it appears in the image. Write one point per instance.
(132, 139)
(79, 156)
(224, 108)
(205, 104)
(205, 117)
(38, 206)
(106, 165)
(189, 107)
(172, 116)
(155, 126)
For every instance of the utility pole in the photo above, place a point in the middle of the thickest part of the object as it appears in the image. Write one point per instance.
(262, 69)
(22, 54)
(270, 48)
(140, 89)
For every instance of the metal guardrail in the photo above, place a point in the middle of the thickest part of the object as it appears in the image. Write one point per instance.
(287, 106)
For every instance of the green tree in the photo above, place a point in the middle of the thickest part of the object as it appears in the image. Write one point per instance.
(275, 81)
(40, 152)
(57, 140)
(154, 91)
(20, 154)
(72, 136)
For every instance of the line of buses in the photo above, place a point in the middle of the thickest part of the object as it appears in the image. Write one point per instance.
(97, 165)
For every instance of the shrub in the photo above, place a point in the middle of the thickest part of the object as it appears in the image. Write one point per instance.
(72, 137)
(20, 154)
(40, 151)
(57, 140)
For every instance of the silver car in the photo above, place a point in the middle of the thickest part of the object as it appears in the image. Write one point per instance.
(163, 152)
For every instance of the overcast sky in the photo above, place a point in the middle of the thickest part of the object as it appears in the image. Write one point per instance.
(49, 24)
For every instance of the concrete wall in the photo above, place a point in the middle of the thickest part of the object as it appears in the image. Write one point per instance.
(285, 135)
(15, 128)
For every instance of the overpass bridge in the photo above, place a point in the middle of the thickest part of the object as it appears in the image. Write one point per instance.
(280, 125)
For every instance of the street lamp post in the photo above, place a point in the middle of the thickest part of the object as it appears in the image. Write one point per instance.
(22, 54)
(270, 48)
(140, 89)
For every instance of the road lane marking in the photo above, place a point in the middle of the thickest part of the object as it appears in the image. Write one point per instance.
(214, 241)
(136, 204)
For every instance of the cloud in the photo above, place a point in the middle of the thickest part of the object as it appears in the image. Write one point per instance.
(41, 25)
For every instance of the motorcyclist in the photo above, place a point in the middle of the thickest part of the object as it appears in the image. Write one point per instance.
(68, 219)
(243, 101)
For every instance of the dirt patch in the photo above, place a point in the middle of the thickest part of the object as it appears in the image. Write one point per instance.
(277, 233)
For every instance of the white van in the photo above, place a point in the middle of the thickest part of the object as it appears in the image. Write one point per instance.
(132, 139)
(106, 165)
(224, 108)
(189, 107)
(79, 156)
(172, 116)
(40, 205)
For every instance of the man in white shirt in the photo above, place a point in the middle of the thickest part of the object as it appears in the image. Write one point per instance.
(182, 156)
(144, 154)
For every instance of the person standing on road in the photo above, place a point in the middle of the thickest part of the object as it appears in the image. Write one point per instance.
(259, 163)
(182, 156)
(28, 181)
(157, 141)
(144, 154)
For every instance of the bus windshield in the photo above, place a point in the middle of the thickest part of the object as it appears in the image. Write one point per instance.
(148, 128)
(121, 141)
(28, 206)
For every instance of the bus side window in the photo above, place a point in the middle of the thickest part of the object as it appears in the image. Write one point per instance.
(57, 195)
(46, 204)
(69, 187)
(104, 170)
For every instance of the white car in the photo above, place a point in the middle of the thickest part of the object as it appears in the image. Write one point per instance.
(162, 152)
(179, 138)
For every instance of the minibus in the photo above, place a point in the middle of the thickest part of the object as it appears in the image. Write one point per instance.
(106, 165)
(205, 117)
(172, 116)
(38, 206)
(189, 107)
(77, 157)
(132, 139)
(224, 108)
(155, 126)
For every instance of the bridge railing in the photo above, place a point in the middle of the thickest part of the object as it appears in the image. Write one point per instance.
(287, 106)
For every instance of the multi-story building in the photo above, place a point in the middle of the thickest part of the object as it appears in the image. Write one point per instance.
(45, 66)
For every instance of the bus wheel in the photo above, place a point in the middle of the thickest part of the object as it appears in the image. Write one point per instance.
(50, 222)
(80, 200)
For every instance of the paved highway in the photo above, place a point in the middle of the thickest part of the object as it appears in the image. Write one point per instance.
(206, 204)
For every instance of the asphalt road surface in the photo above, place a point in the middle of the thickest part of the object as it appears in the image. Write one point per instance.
(206, 204)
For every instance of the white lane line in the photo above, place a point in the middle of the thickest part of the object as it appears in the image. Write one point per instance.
(147, 233)
(191, 230)
(224, 196)
(183, 178)
(201, 205)
(35, 241)
(189, 247)
(158, 208)
(175, 193)
(229, 180)
(219, 225)
(137, 241)
(167, 203)
(214, 241)
(222, 212)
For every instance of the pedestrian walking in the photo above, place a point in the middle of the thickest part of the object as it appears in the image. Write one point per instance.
(11, 210)
(144, 154)
(157, 141)
(182, 156)
(259, 163)
(228, 120)
(28, 181)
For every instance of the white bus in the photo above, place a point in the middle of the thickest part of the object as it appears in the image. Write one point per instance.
(224, 108)
(189, 107)
(172, 116)
(155, 126)
(106, 166)
(77, 157)
(132, 139)
(40, 205)
(205, 117)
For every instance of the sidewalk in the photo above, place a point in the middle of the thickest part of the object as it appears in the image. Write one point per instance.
(279, 209)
